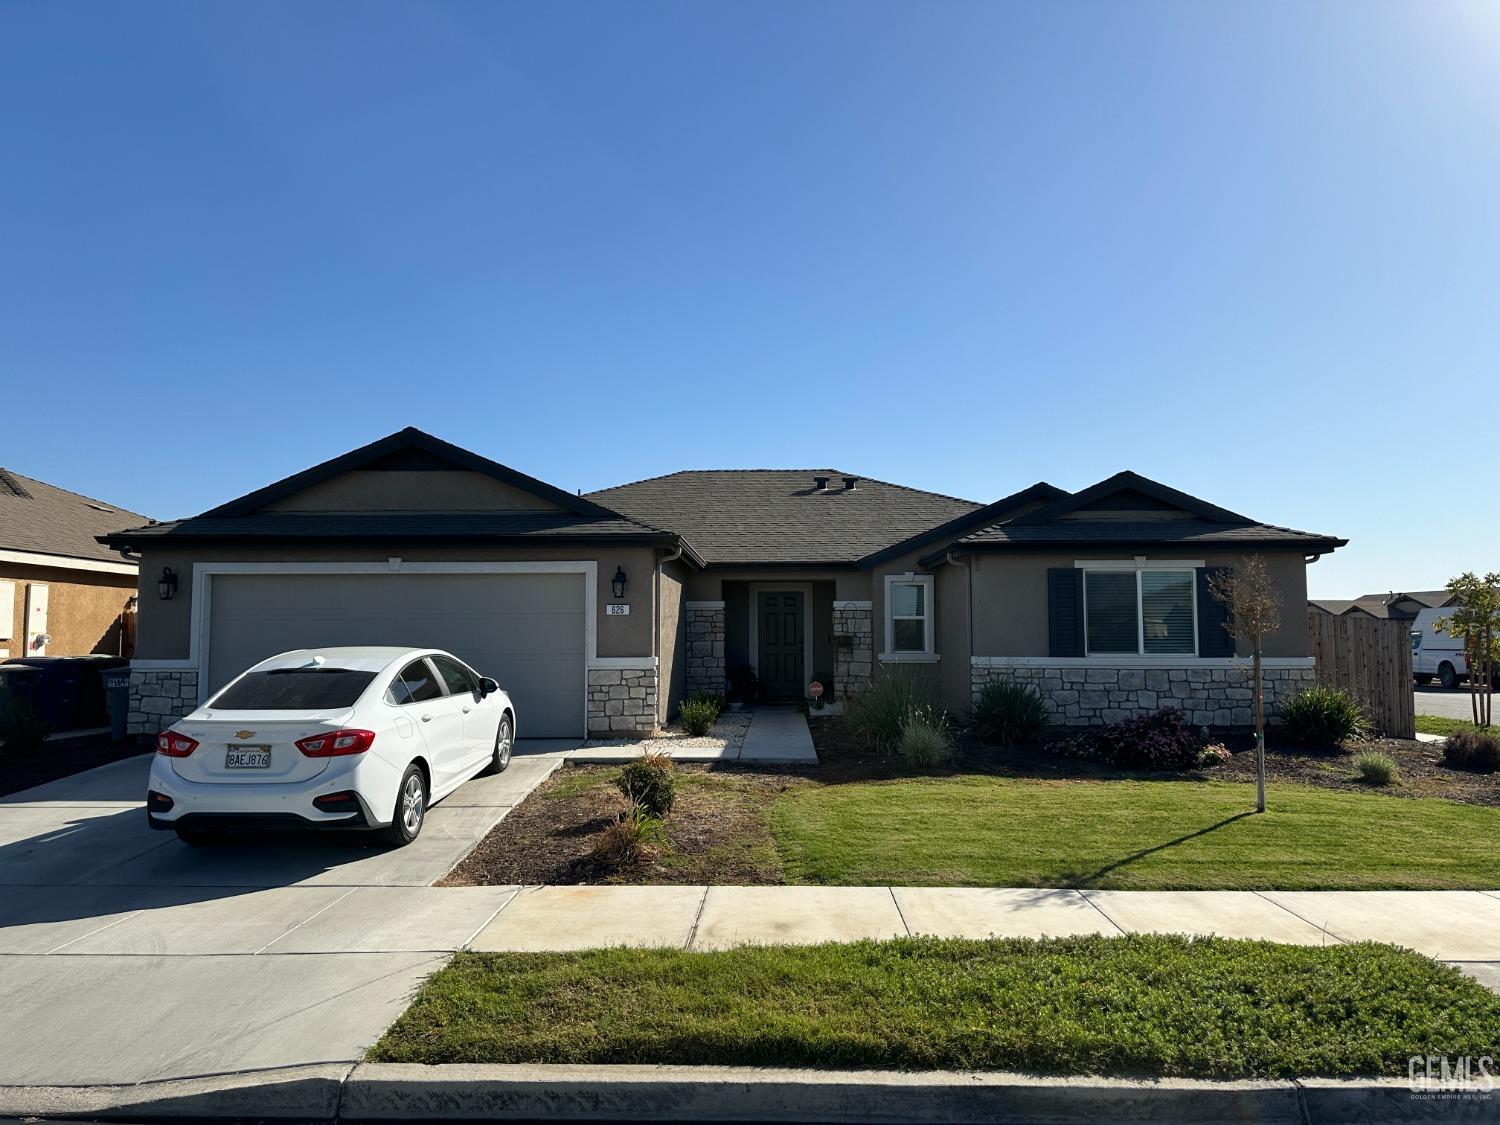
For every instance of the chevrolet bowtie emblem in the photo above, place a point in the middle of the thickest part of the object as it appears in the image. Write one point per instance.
(244, 734)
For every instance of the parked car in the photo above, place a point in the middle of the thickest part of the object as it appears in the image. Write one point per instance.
(362, 738)
(1434, 652)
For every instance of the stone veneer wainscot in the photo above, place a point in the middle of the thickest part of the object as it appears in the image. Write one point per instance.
(622, 702)
(1216, 693)
(704, 626)
(854, 652)
(158, 699)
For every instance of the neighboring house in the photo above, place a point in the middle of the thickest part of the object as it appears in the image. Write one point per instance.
(600, 613)
(61, 592)
(1398, 606)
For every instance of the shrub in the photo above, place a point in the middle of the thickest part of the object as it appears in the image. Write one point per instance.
(22, 730)
(1160, 740)
(1214, 755)
(698, 715)
(1376, 769)
(649, 783)
(1322, 716)
(880, 711)
(1473, 750)
(634, 831)
(924, 743)
(1009, 713)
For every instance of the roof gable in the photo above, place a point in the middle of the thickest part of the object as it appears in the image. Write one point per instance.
(1014, 504)
(1122, 493)
(406, 452)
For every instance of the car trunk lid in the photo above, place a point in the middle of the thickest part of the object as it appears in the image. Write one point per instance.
(255, 747)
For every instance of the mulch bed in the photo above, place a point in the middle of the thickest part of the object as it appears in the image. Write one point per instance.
(61, 758)
(1420, 763)
(716, 833)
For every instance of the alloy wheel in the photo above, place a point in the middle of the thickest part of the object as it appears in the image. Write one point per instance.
(412, 801)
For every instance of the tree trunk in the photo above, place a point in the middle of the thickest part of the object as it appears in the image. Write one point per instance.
(1260, 737)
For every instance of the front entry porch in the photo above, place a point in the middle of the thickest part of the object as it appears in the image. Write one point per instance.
(777, 634)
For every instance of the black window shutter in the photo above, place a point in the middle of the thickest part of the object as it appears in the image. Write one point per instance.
(1065, 611)
(1213, 638)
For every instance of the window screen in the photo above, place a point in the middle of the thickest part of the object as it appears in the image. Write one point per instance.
(1110, 608)
(1167, 611)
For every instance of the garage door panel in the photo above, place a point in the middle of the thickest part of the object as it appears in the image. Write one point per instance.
(525, 630)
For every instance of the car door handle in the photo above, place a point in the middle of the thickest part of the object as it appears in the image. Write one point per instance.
(466, 710)
(427, 718)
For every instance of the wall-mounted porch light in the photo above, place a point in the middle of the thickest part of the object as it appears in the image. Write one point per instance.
(166, 585)
(618, 584)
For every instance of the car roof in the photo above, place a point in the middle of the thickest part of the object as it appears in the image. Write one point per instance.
(358, 658)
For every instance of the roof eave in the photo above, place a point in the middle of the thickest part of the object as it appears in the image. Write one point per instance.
(1306, 547)
(951, 529)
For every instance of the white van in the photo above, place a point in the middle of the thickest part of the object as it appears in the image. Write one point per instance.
(1434, 652)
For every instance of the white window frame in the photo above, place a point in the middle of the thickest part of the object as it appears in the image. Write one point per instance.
(929, 631)
(1138, 566)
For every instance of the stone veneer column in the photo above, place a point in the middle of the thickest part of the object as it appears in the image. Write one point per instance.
(704, 624)
(622, 702)
(1218, 695)
(158, 699)
(854, 646)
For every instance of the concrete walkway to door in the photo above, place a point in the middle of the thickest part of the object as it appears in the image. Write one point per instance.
(779, 734)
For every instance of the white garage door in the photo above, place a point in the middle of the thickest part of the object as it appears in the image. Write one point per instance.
(524, 630)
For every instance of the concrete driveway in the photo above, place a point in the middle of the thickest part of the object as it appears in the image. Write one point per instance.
(1449, 703)
(126, 955)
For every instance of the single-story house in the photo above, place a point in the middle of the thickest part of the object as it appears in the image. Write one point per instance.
(599, 613)
(1392, 606)
(61, 592)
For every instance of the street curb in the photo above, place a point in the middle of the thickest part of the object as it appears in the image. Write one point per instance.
(309, 1092)
(376, 1092)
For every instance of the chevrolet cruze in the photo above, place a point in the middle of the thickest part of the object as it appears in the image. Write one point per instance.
(331, 738)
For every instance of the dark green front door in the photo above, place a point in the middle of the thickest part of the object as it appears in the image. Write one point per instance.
(779, 639)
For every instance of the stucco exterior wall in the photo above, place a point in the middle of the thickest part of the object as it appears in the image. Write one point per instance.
(670, 645)
(1010, 597)
(950, 608)
(164, 628)
(363, 490)
(83, 609)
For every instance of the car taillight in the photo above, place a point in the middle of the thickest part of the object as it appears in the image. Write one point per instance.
(335, 743)
(175, 745)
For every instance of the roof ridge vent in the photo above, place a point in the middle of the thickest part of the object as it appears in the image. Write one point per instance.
(851, 483)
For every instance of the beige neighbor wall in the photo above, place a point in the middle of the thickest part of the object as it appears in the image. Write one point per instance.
(950, 605)
(83, 609)
(164, 629)
(671, 645)
(1010, 597)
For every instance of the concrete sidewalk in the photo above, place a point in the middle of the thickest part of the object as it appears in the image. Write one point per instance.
(1457, 926)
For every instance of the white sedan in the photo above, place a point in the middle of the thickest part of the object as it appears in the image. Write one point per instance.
(331, 738)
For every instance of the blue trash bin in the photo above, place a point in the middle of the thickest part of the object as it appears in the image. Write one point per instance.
(117, 700)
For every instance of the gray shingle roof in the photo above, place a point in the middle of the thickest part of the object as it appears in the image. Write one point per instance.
(394, 526)
(748, 516)
(1184, 531)
(44, 519)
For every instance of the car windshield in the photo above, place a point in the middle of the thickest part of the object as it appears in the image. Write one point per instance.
(294, 689)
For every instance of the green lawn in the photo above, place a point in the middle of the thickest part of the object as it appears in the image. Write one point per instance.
(980, 830)
(1129, 1005)
(1436, 724)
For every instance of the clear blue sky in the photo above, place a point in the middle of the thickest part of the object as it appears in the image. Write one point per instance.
(1252, 250)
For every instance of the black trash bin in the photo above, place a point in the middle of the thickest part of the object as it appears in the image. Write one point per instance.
(67, 692)
(117, 701)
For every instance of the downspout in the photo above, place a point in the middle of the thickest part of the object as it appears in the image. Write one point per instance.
(661, 692)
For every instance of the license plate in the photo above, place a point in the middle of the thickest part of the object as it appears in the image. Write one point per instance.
(248, 758)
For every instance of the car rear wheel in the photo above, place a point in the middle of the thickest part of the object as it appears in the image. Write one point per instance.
(1447, 676)
(410, 810)
(505, 741)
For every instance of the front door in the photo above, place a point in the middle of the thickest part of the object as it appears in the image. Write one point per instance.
(779, 639)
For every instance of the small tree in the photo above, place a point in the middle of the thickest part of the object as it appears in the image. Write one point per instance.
(1476, 621)
(1254, 605)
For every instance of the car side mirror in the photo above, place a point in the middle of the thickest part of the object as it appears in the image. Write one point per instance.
(487, 686)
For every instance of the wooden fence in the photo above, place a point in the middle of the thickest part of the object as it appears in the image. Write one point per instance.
(1371, 658)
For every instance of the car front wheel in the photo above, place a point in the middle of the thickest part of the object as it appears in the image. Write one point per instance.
(505, 741)
(410, 811)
